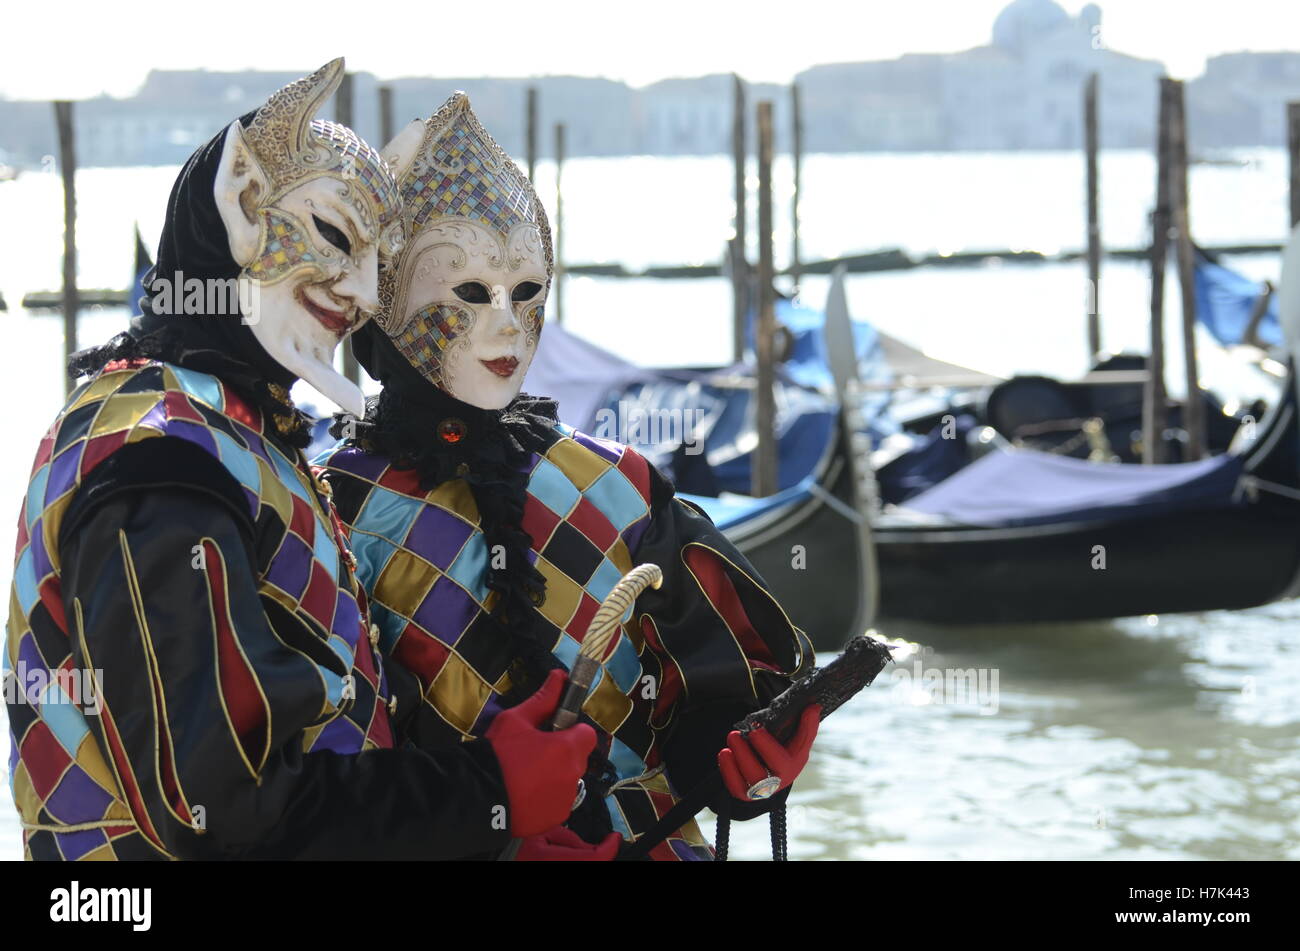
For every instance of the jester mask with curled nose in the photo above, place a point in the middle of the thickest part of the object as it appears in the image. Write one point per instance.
(310, 210)
(463, 302)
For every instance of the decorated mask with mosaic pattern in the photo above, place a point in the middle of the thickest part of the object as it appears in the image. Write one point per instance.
(464, 300)
(310, 211)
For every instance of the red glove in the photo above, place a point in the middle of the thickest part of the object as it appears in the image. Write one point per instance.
(541, 769)
(746, 761)
(565, 845)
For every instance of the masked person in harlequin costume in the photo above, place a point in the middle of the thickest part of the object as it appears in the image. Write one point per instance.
(487, 533)
(176, 550)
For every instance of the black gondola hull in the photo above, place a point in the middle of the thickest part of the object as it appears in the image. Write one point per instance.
(816, 557)
(1189, 561)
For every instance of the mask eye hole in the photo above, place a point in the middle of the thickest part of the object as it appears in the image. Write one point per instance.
(333, 235)
(525, 290)
(473, 292)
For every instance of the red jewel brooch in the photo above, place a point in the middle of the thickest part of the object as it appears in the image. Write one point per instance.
(452, 431)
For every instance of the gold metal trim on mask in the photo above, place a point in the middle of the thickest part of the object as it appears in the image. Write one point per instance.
(280, 134)
(291, 146)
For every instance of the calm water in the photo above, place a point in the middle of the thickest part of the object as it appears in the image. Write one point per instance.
(1176, 737)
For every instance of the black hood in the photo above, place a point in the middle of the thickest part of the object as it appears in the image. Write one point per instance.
(194, 244)
(375, 351)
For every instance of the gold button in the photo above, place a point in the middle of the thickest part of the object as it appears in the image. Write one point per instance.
(392, 707)
(374, 635)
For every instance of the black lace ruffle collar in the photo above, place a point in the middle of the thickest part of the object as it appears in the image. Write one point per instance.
(290, 424)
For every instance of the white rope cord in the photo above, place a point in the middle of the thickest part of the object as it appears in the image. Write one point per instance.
(1252, 484)
(836, 505)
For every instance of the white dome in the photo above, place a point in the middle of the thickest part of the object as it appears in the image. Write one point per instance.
(1022, 21)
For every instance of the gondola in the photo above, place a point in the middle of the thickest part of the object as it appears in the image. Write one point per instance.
(1026, 536)
(1006, 533)
(1096, 417)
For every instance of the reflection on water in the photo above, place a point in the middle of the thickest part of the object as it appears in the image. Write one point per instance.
(1136, 738)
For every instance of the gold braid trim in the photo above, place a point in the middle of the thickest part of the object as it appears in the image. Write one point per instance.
(80, 826)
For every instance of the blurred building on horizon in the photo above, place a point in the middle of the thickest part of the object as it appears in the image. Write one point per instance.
(1022, 90)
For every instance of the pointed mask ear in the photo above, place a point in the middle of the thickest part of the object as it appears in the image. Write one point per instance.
(400, 153)
(240, 189)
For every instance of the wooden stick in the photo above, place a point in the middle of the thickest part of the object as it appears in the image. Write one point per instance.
(343, 101)
(739, 263)
(344, 115)
(557, 283)
(68, 168)
(1194, 408)
(1154, 409)
(1257, 313)
(1293, 147)
(1094, 227)
(530, 131)
(796, 153)
(386, 130)
(764, 470)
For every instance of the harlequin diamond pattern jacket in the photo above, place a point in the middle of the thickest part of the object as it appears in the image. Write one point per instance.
(189, 671)
(695, 656)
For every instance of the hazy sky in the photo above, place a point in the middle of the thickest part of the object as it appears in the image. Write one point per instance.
(72, 48)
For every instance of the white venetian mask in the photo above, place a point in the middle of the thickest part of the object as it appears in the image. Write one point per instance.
(464, 302)
(309, 209)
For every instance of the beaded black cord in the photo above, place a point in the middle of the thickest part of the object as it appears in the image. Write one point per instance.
(777, 820)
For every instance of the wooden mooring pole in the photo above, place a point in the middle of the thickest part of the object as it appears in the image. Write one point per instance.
(796, 157)
(764, 472)
(1155, 410)
(1194, 406)
(1090, 143)
(557, 229)
(343, 101)
(63, 114)
(530, 131)
(739, 263)
(386, 130)
(1293, 147)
